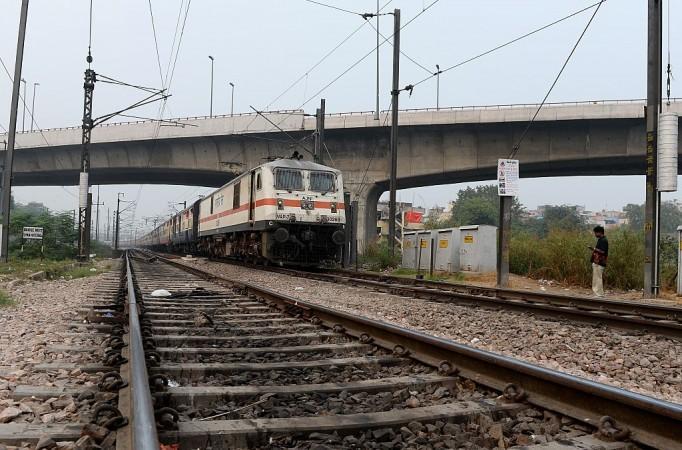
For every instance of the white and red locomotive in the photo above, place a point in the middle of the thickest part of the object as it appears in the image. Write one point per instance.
(285, 211)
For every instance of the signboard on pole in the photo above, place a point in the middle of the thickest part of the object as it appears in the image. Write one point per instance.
(33, 233)
(508, 177)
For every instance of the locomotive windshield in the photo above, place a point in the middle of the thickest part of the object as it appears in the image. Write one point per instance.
(322, 181)
(289, 179)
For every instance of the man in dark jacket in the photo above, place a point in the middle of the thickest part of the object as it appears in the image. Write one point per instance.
(600, 254)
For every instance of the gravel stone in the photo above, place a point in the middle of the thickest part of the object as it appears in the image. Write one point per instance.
(645, 363)
(46, 443)
(8, 414)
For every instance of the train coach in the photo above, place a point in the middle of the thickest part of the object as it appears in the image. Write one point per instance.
(286, 211)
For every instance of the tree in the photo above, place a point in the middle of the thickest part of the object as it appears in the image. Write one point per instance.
(635, 216)
(481, 206)
(671, 217)
(58, 231)
(562, 218)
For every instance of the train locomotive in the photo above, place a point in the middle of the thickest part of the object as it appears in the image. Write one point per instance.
(286, 211)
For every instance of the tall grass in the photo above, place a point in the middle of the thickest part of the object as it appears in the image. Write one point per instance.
(563, 256)
(376, 256)
(5, 299)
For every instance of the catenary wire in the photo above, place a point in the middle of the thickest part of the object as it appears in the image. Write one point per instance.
(11, 80)
(321, 60)
(508, 43)
(156, 42)
(358, 61)
(415, 62)
(556, 79)
(333, 7)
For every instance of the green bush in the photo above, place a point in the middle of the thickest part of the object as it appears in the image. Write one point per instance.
(377, 257)
(5, 299)
(563, 256)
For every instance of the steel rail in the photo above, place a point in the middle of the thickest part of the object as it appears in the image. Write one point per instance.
(614, 411)
(644, 317)
(143, 428)
(644, 309)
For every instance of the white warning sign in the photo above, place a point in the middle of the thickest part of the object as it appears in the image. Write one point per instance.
(508, 177)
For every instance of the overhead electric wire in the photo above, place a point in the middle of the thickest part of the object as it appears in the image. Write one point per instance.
(352, 66)
(314, 66)
(363, 185)
(333, 7)
(90, 34)
(177, 51)
(30, 111)
(556, 79)
(508, 43)
(401, 52)
(156, 42)
(175, 38)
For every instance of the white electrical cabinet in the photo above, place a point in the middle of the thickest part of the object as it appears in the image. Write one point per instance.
(417, 249)
(446, 247)
(478, 248)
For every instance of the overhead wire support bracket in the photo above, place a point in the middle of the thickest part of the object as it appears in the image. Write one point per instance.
(294, 141)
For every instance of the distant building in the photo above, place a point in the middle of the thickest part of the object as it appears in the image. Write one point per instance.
(608, 219)
(409, 217)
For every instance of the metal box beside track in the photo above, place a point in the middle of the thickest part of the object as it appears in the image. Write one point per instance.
(446, 247)
(417, 249)
(478, 248)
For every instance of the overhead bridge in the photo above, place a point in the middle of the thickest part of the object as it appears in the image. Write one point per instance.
(448, 145)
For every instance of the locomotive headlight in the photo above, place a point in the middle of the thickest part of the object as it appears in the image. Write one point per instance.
(333, 207)
(280, 204)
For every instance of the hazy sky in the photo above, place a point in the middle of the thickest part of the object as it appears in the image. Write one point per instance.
(263, 46)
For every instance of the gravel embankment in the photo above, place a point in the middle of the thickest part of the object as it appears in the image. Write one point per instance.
(39, 319)
(644, 363)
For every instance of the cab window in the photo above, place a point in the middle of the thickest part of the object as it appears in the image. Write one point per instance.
(289, 179)
(235, 198)
(322, 181)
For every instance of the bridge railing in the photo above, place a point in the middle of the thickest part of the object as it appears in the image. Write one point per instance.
(292, 112)
(170, 120)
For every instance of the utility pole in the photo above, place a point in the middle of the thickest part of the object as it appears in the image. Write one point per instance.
(394, 131)
(504, 240)
(108, 217)
(84, 182)
(376, 112)
(11, 134)
(653, 197)
(319, 132)
(98, 204)
(437, 87)
(88, 219)
(23, 120)
(232, 100)
(33, 104)
(118, 220)
(211, 108)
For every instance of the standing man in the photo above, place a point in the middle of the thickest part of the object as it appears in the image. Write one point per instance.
(600, 254)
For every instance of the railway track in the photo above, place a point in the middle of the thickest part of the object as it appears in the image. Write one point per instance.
(641, 316)
(309, 376)
(226, 364)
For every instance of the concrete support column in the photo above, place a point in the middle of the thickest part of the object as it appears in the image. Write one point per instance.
(367, 215)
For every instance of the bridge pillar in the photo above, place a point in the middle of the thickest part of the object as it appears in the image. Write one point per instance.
(367, 215)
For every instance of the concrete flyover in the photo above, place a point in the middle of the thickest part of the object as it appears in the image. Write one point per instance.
(450, 145)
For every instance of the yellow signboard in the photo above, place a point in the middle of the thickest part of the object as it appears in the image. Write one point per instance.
(423, 243)
(468, 239)
(443, 243)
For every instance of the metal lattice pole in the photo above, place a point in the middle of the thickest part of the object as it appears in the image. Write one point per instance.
(84, 205)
